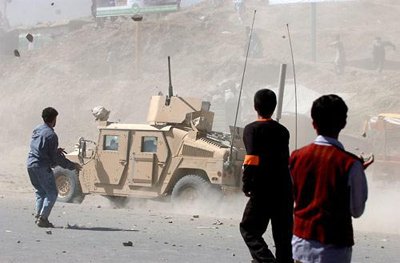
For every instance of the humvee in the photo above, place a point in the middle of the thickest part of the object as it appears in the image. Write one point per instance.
(176, 154)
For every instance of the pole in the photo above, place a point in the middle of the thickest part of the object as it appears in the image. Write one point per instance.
(295, 84)
(282, 74)
(138, 49)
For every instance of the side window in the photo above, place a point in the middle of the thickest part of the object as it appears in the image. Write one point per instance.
(110, 142)
(149, 144)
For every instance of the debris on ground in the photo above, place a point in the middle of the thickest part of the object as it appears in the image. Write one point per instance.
(218, 223)
(127, 244)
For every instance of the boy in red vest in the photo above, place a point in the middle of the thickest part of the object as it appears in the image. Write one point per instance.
(329, 186)
(266, 180)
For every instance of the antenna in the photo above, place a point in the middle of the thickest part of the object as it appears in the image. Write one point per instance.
(241, 86)
(295, 85)
(170, 88)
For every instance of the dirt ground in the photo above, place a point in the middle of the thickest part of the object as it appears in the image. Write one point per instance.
(95, 231)
(121, 65)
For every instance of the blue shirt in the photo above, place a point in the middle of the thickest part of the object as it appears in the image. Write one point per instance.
(44, 149)
(308, 251)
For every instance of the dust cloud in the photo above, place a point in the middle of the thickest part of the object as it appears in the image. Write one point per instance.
(230, 206)
(381, 213)
(75, 66)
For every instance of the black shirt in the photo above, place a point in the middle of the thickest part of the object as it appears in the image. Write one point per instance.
(265, 169)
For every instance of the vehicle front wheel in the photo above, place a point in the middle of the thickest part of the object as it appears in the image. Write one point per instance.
(68, 186)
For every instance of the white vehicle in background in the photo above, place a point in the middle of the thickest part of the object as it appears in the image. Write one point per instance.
(135, 7)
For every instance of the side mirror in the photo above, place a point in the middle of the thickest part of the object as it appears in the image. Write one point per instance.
(82, 149)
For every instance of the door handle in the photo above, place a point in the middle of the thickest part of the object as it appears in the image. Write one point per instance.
(123, 162)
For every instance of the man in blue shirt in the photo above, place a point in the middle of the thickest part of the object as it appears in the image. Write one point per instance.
(43, 155)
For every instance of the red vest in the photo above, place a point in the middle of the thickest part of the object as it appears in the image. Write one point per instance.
(322, 194)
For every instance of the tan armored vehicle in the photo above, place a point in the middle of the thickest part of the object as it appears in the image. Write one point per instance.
(382, 132)
(176, 154)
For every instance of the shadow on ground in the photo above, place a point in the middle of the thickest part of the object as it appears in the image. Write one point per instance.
(77, 227)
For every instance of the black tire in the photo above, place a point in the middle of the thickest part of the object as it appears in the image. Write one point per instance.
(68, 186)
(193, 191)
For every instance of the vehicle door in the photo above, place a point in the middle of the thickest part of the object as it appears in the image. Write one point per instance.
(149, 158)
(112, 156)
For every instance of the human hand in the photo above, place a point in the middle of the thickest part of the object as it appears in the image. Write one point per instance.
(248, 194)
(78, 167)
(61, 151)
(246, 191)
(367, 160)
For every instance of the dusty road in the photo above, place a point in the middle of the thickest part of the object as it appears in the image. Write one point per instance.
(95, 231)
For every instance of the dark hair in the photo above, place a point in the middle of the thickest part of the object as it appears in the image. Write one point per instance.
(265, 102)
(329, 113)
(49, 114)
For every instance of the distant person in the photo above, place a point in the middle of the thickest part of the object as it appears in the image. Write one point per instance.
(102, 3)
(112, 3)
(256, 46)
(379, 53)
(266, 180)
(329, 187)
(43, 155)
(113, 145)
(99, 20)
(340, 57)
(240, 9)
(93, 8)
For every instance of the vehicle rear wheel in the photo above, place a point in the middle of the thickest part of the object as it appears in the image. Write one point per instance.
(193, 192)
(68, 186)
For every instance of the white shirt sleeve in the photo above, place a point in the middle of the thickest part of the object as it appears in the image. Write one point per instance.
(358, 189)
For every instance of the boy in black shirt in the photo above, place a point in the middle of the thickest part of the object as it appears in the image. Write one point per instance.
(266, 180)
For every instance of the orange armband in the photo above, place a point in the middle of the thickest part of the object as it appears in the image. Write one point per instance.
(251, 160)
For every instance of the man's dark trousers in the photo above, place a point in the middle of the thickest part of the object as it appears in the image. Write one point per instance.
(261, 209)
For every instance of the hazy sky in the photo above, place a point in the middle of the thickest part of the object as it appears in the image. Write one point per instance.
(31, 12)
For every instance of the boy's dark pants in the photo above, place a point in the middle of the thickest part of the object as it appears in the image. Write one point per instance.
(256, 216)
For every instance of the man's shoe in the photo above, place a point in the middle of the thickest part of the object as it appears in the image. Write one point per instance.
(44, 222)
(36, 218)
